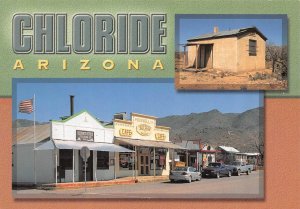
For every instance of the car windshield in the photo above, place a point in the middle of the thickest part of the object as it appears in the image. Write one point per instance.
(214, 165)
(236, 163)
(180, 169)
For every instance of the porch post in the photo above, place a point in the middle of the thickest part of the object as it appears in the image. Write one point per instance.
(196, 57)
(73, 166)
(197, 161)
(154, 162)
(115, 162)
(135, 162)
(95, 163)
(55, 165)
(184, 57)
(132, 157)
(173, 159)
(187, 158)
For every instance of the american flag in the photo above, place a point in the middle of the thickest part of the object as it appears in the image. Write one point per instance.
(26, 106)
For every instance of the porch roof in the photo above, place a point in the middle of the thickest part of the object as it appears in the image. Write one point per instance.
(149, 143)
(77, 145)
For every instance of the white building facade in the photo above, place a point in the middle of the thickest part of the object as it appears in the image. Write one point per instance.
(56, 158)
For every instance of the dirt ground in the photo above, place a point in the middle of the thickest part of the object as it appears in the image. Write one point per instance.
(210, 79)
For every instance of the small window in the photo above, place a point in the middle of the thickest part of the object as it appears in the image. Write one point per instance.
(252, 47)
(66, 159)
(102, 160)
(126, 159)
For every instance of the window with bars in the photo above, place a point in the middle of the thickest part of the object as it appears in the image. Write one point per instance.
(252, 47)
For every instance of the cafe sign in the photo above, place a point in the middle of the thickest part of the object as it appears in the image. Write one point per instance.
(143, 129)
(84, 135)
(160, 137)
(125, 132)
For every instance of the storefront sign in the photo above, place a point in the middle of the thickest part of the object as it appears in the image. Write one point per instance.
(125, 132)
(84, 135)
(143, 120)
(160, 137)
(143, 129)
(179, 164)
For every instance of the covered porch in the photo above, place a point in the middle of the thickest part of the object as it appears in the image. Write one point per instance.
(198, 56)
(69, 166)
(152, 157)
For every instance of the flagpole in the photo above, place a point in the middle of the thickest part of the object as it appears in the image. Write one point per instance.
(34, 145)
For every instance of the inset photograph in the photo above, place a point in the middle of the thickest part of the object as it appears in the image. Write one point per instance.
(231, 52)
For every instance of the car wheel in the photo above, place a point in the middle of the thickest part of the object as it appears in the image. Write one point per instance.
(190, 179)
(218, 175)
(172, 181)
(229, 173)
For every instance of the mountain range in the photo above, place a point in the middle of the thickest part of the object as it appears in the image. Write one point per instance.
(238, 130)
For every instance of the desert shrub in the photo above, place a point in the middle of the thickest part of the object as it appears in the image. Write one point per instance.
(277, 56)
(259, 76)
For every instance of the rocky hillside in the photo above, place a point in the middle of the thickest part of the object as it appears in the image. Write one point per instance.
(239, 130)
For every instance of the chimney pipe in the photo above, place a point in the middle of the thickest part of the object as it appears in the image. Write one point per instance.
(216, 29)
(71, 105)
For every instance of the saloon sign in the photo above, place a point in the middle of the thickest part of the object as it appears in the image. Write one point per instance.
(143, 129)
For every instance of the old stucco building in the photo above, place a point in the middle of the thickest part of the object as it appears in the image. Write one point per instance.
(236, 50)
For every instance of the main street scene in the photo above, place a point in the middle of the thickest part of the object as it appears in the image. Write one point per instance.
(72, 142)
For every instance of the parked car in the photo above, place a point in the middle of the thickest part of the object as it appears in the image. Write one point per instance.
(216, 170)
(241, 167)
(188, 174)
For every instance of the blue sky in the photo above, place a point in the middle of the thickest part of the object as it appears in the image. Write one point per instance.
(272, 26)
(103, 98)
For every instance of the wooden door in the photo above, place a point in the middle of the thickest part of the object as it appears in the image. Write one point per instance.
(144, 165)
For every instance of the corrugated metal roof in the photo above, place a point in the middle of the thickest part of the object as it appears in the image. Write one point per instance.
(226, 33)
(149, 143)
(229, 149)
(252, 153)
(190, 145)
(77, 145)
(24, 135)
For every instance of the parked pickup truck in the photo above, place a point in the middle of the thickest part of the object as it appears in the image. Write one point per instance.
(240, 167)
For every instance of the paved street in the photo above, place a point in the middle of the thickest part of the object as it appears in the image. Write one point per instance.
(243, 186)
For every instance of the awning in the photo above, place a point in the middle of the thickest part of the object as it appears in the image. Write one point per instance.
(149, 143)
(49, 145)
(77, 145)
(209, 151)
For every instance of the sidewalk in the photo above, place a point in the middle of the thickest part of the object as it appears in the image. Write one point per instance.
(118, 181)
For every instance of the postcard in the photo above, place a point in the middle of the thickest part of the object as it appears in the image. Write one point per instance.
(141, 101)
